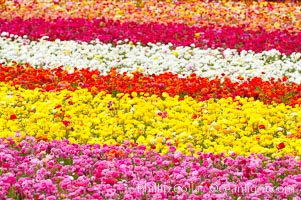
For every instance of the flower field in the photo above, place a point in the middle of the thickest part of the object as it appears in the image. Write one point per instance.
(184, 99)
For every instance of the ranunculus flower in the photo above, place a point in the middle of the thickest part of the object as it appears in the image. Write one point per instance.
(66, 122)
(261, 126)
(13, 117)
(280, 146)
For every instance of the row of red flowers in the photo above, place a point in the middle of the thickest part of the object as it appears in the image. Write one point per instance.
(201, 88)
(110, 31)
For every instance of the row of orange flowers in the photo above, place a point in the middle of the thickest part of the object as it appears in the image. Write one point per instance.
(250, 14)
(201, 88)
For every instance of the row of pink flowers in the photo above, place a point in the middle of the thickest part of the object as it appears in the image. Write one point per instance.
(60, 170)
(178, 34)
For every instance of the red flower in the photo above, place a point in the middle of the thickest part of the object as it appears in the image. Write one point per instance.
(281, 146)
(58, 106)
(13, 117)
(110, 181)
(261, 126)
(206, 184)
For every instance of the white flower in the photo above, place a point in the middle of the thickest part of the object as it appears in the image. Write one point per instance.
(44, 38)
(151, 59)
(4, 34)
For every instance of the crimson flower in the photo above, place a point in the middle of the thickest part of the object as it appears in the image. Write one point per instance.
(66, 123)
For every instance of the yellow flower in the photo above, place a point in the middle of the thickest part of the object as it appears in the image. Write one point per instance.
(197, 35)
(134, 94)
(220, 127)
(175, 53)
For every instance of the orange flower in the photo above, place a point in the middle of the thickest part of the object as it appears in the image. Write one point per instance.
(114, 153)
(194, 116)
(44, 138)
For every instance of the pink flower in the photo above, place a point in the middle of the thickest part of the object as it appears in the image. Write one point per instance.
(51, 197)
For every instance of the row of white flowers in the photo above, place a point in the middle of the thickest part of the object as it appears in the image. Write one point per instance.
(150, 59)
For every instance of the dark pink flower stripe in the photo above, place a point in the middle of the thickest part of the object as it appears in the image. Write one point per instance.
(178, 34)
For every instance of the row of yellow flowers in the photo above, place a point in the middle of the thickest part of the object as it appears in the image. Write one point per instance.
(251, 14)
(225, 125)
